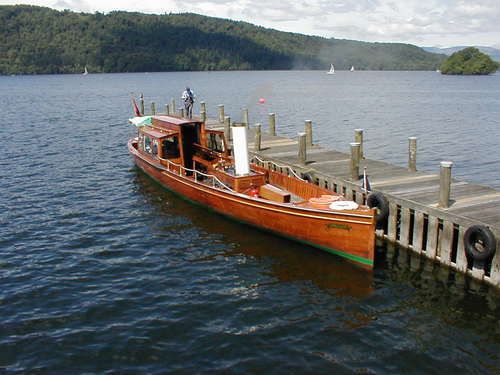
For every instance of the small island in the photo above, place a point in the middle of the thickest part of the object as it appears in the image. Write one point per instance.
(467, 62)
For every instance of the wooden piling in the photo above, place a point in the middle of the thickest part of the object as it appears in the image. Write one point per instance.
(172, 107)
(182, 112)
(355, 161)
(203, 108)
(220, 107)
(141, 103)
(258, 137)
(358, 138)
(167, 109)
(309, 134)
(153, 108)
(272, 124)
(227, 126)
(412, 154)
(445, 184)
(203, 116)
(245, 117)
(302, 148)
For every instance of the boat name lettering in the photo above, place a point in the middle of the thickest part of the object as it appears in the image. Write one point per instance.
(339, 226)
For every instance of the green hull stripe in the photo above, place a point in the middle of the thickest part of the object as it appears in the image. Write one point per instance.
(352, 257)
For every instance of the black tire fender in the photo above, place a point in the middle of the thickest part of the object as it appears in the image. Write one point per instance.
(479, 242)
(308, 177)
(378, 201)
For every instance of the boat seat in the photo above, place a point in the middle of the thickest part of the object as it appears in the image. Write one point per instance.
(274, 193)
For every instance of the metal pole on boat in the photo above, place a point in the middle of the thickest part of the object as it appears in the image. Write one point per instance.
(355, 161)
(272, 124)
(141, 103)
(227, 127)
(302, 148)
(309, 132)
(153, 108)
(445, 184)
(203, 108)
(258, 137)
(412, 154)
(172, 106)
(358, 138)
(245, 117)
(221, 113)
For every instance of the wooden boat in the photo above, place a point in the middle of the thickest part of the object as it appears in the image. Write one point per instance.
(193, 161)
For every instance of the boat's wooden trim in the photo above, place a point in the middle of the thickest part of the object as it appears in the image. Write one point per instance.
(348, 234)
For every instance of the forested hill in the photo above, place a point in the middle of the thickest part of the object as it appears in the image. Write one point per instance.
(43, 40)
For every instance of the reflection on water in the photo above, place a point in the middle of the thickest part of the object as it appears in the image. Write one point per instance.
(290, 261)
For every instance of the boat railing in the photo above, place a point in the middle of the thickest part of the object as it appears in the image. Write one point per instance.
(286, 167)
(216, 182)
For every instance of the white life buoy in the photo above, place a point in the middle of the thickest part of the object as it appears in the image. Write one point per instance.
(344, 205)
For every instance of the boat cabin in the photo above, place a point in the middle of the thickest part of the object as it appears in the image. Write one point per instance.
(186, 146)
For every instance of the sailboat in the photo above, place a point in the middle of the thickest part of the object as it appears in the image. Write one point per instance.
(332, 70)
(85, 71)
(352, 68)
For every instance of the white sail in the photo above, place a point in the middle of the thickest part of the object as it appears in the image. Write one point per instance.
(332, 69)
(86, 71)
(352, 68)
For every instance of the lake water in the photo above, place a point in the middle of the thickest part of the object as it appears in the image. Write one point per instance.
(103, 271)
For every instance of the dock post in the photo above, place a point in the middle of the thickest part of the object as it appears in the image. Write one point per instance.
(221, 113)
(153, 108)
(181, 110)
(172, 106)
(302, 148)
(445, 184)
(141, 103)
(412, 154)
(203, 116)
(272, 124)
(227, 127)
(245, 117)
(309, 132)
(258, 137)
(167, 109)
(358, 138)
(355, 161)
(203, 108)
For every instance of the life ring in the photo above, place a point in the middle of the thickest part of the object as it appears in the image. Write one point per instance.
(378, 201)
(344, 205)
(308, 177)
(479, 242)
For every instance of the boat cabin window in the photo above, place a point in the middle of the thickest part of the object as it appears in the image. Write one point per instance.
(170, 147)
(215, 142)
(148, 144)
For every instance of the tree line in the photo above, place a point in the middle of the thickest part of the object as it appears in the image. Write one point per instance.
(36, 40)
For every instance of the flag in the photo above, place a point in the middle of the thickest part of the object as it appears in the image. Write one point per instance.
(136, 108)
(365, 185)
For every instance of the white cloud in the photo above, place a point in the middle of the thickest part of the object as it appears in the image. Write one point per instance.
(422, 22)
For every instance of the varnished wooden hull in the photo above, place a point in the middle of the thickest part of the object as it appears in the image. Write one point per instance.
(350, 234)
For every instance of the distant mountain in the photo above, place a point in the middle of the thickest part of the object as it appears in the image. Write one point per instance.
(494, 53)
(37, 40)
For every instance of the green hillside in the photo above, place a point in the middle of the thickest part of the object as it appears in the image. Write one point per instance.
(36, 40)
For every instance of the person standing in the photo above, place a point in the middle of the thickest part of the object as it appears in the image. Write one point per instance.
(188, 98)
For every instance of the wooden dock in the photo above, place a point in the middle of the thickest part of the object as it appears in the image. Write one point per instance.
(428, 212)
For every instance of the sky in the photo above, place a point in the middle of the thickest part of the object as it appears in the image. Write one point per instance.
(442, 23)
